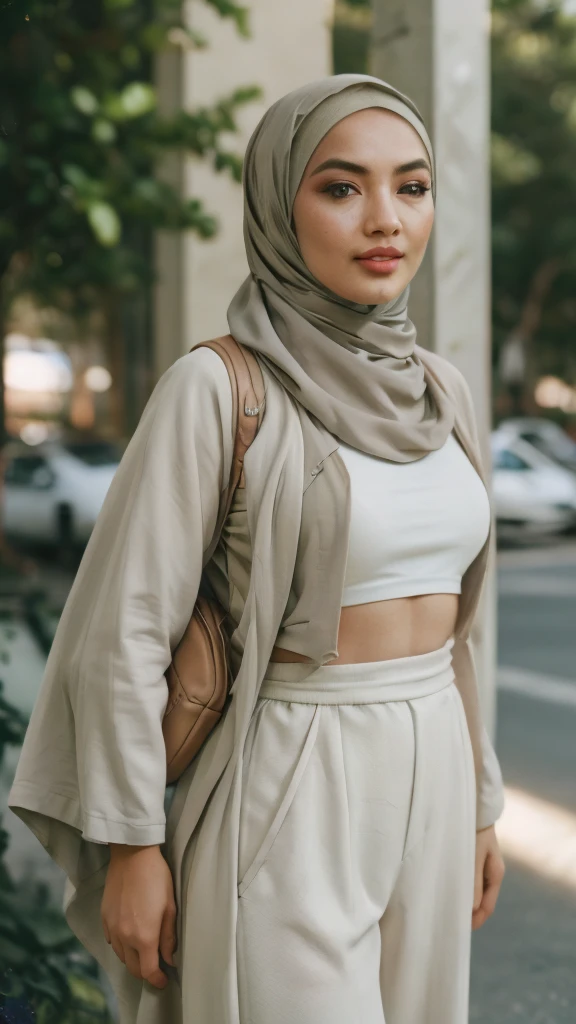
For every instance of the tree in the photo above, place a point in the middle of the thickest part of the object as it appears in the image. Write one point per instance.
(534, 184)
(80, 143)
(351, 36)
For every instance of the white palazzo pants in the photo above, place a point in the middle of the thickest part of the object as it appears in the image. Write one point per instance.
(357, 846)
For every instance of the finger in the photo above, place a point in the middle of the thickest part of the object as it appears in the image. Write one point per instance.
(132, 962)
(478, 919)
(158, 979)
(492, 883)
(479, 878)
(118, 949)
(150, 966)
(489, 900)
(106, 931)
(494, 876)
(168, 935)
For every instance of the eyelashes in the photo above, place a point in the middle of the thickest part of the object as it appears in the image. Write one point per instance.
(331, 189)
(419, 189)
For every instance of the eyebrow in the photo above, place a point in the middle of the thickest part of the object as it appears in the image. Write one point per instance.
(345, 165)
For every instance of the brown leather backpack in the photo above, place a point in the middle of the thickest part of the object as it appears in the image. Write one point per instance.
(199, 675)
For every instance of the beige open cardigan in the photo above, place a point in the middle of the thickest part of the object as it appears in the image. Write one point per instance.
(92, 769)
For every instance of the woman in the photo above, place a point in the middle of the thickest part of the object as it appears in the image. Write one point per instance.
(328, 851)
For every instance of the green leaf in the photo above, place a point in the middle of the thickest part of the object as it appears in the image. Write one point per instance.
(112, 107)
(130, 56)
(104, 222)
(511, 163)
(229, 9)
(137, 99)
(571, 116)
(132, 102)
(85, 991)
(229, 162)
(153, 36)
(63, 61)
(84, 100)
(186, 38)
(148, 190)
(76, 176)
(12, 953)
(103, 131)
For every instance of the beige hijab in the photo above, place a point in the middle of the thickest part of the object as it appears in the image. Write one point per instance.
(354, 367)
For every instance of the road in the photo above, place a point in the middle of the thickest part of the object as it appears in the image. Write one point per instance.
(524, 958)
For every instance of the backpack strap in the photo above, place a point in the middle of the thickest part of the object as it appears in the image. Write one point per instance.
(248, 399)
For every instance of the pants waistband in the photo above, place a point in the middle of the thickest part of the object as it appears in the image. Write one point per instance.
(368, 682)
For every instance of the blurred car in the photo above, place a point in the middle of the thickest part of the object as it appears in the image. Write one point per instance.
(545, 435)
(54, 492)
(532, 493)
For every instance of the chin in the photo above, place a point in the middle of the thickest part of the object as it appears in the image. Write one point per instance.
(373, 292)
(373, 296)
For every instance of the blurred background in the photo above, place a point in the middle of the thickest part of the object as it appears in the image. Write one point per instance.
(122, 128)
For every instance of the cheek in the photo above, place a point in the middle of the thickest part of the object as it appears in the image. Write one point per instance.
(325, 226)
(418, 228)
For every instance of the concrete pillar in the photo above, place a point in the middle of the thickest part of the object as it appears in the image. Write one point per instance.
(169, 246)
(437, 51)
(290, 45)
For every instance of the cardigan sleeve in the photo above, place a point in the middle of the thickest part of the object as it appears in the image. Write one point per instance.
(490, 789)
(490, 801)
(93, 757)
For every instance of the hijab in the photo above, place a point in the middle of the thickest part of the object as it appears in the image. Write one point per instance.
(354, 367)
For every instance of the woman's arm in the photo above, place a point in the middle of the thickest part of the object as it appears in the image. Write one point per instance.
(93, 756)
(489, 866)
(490, 802)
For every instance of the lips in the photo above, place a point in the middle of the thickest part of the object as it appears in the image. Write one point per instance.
(380, 260)
(380, 253)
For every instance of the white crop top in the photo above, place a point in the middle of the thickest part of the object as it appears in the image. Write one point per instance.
(415, 526)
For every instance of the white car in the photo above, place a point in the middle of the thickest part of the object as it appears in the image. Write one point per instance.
(54, 492)
(532, 493)
(545, 435)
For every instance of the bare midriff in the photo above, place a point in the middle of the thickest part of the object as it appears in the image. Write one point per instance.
(396, 628)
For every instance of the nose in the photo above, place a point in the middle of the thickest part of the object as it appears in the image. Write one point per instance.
(382, 215)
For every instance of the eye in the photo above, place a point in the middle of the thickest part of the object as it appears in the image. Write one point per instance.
(335, 189)
(414, 188)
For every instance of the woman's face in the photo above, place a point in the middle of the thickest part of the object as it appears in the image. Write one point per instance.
(363, 212)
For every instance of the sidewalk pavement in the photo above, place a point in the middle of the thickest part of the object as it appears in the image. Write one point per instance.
(524, 957)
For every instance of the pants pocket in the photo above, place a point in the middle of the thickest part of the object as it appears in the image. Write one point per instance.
(267, 791)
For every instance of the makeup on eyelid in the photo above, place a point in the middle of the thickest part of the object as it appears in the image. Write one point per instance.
(422, 189)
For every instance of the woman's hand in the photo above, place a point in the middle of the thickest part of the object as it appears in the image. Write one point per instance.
(138, 910)
(488, 875)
